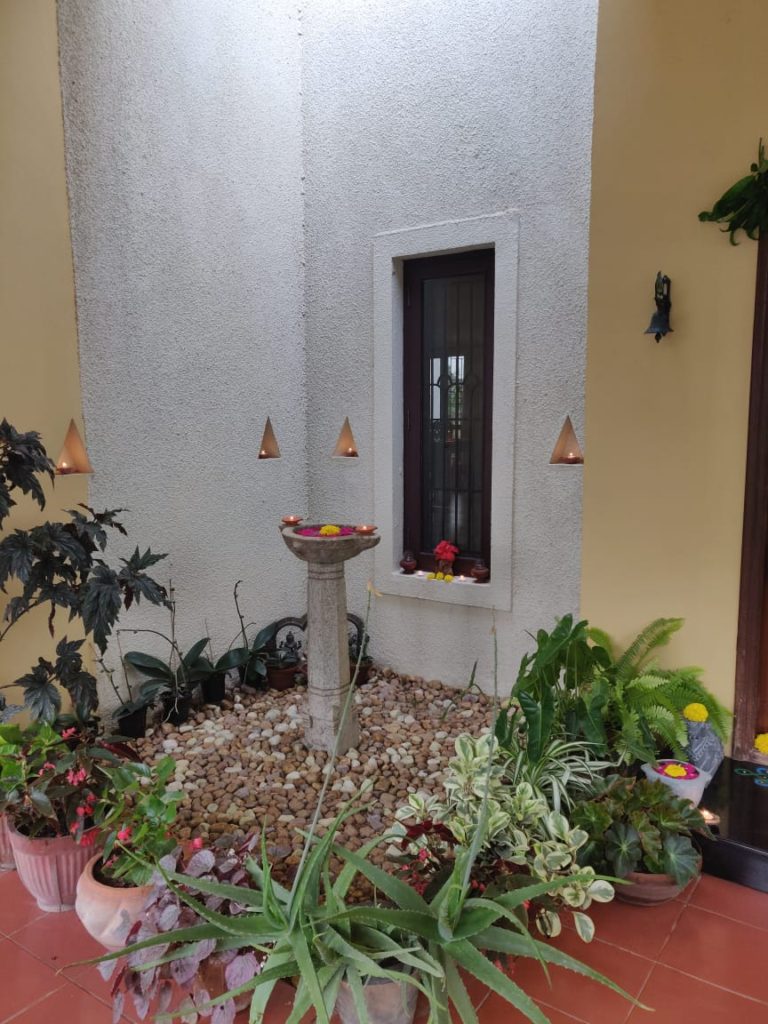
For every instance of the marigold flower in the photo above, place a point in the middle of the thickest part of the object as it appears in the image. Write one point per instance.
(430, 575)
(761, 742)
(448, 578)
(329, 530)
(695, 712)
(675, 771)
(439, 575)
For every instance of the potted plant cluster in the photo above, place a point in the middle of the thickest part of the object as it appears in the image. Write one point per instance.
(341, 955)
(640, 831)
(50, 784)
(134, 817)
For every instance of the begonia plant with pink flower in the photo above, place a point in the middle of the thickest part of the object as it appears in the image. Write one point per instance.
(50, 781)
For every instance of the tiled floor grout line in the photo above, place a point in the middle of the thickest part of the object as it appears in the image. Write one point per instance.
(727, 917)
(32, 1005)
(714, 984)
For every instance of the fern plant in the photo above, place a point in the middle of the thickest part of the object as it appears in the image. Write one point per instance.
(644, 703)
(576, 687)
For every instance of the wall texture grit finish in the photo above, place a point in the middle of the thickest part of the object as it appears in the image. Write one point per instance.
(39, 380)
(677, 120)
(416, 113)
(183, 129)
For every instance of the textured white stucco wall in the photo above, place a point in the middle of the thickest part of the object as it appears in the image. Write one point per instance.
(418, 111)
(183, 130)
(230, 163)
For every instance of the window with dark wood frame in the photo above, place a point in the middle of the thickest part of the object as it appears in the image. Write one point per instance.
(448, 388)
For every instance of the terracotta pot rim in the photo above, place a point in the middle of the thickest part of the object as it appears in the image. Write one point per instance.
(14, 833)
(91, 877)
(647, 878)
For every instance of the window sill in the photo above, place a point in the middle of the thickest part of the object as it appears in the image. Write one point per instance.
(467, 594)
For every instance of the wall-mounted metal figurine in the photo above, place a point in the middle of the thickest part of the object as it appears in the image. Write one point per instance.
(659, 325)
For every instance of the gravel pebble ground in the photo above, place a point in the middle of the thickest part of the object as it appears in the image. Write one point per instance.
(244, 764)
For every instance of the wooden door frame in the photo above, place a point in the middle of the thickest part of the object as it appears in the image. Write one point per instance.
(755, 535)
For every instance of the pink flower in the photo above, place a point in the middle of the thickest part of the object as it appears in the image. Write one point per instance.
(124, 834)
(80, 812)
(47, 767)
(423, 854)
(76, 778)
(87, 839)
(197, 843)
(69, 733)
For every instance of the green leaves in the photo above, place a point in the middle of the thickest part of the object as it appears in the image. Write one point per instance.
(622, 848)
(744, 206)
(679, 859)
(22, 460)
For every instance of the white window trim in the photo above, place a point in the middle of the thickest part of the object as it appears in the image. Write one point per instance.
(499, 231)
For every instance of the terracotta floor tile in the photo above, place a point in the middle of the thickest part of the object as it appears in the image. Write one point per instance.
(720, 951)
(641, 930)
(23, 979)
(736, 901)
(69, 1004)
(678, 999)
(58, 940)
(17, 907)
(574, 994)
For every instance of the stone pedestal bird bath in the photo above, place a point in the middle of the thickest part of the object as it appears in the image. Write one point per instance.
(327, 641)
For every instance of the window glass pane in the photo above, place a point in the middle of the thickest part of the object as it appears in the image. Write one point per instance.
(453, 311)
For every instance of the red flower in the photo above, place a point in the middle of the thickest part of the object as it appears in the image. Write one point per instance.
(445, 551)
(75, 778)
(69, 733)
(87, 839)
(197, 843)
(80, 812)
(124, 834)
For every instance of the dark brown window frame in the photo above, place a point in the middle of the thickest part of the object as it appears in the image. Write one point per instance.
(416, 271)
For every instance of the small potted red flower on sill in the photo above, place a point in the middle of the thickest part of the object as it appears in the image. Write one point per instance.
(445, 555)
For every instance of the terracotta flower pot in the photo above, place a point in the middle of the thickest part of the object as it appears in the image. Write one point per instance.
(107, 912)
(281, 678)
(646, 890)
(387, 1002)
(49, 868)
(6, 853)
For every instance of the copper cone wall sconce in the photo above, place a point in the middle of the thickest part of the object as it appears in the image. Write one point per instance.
(567, 450)
(346, 448)
(269, 448)
(73, 458)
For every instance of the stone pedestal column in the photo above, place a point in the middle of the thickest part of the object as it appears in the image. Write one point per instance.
(328, 656)
(327, 650)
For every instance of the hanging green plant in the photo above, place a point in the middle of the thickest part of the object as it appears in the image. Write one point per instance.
(745, 204)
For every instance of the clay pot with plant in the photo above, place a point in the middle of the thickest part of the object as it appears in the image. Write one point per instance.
(135, 817)
(641, 832)
(283, 668)
(50, 783)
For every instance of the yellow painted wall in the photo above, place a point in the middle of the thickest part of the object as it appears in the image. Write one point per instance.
(681, 100)
(39, 373)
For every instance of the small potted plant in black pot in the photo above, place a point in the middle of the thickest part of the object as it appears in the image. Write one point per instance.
(355, 655)
(212, 675)
(176, 679)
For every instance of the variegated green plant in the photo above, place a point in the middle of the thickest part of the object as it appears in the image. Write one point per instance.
(523, 837)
